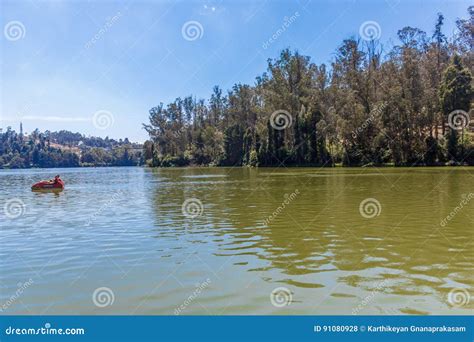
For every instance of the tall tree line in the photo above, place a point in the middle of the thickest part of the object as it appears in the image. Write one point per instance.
(408, 106)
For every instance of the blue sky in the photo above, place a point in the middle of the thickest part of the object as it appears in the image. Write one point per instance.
(63, 62)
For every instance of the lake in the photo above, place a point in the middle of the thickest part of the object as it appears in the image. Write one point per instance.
(223, 241)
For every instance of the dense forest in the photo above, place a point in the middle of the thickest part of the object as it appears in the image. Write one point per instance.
(405, 105)
(64, 149)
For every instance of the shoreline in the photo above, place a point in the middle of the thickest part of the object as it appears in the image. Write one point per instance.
(387, 166)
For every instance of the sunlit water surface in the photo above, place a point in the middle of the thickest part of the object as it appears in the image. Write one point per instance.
(124, 229)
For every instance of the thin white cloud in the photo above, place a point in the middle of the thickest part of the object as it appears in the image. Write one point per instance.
(7, 119)
(56, 118)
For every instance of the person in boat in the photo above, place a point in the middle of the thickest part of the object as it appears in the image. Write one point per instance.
(56, 179)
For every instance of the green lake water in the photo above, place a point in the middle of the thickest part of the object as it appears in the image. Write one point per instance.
(224, 241)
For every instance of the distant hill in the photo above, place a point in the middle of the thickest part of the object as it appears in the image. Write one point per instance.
(64, 149)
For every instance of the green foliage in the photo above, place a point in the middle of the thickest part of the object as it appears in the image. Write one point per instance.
(455, 94)
(253, 158)
(64, 149)
(431, 153)
(366, 109)
(233, 145)
(168, 160)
